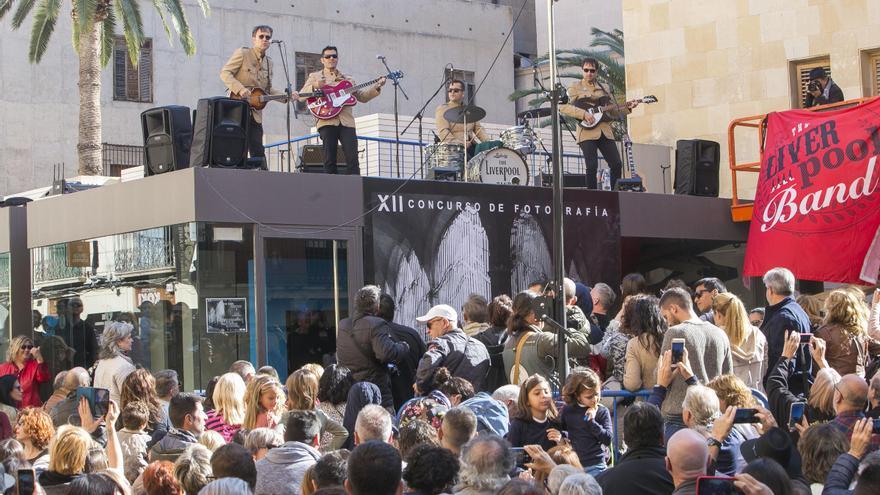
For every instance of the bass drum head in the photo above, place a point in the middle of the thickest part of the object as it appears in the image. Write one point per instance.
(503, 166)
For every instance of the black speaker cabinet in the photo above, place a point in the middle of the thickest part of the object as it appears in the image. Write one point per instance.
(220, 133)
(311, 158)
(697, 167)
(167, 135)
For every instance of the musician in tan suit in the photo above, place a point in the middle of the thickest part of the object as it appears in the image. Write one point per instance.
(340, 128)
(601, 137)
(455, 133)
(248, 68)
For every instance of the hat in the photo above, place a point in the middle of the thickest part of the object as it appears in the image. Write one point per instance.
(817, 73)
(775, 444)
(440, 311)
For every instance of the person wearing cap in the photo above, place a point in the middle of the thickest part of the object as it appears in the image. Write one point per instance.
(451, 348)
(821, 89)
(365, 346)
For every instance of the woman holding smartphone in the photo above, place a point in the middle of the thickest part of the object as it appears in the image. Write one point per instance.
(25, 361)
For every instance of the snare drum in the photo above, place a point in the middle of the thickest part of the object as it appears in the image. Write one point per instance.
(519, 138)
(499, 166)
(444, 155)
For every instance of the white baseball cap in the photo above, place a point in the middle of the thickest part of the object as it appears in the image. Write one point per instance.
(440, 311)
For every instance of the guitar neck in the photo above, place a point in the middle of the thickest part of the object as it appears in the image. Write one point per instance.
(630, 161)
(363, 85)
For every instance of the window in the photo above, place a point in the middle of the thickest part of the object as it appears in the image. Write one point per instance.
(871, 72)
(306, 63)
(468, 77)
(132, 83)
(801, 76)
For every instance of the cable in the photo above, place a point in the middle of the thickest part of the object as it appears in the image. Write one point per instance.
(500, 50)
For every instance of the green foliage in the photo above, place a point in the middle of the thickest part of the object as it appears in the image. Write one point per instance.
(44, 23)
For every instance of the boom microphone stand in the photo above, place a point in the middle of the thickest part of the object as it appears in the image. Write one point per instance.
(396, 81)
(419, 116)
(289, 100)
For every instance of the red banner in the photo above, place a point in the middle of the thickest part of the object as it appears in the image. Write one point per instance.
(817, 206)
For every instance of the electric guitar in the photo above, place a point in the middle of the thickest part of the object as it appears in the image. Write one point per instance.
(334, 97)
(599, 110)
(634, 183)
(258, 98)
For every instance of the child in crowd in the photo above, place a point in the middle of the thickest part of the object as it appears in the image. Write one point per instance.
(302, 395)
(264, 403)
(535, 422)
(133, 439)
(587, 422)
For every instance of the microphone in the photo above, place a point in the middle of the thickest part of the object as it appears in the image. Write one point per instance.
(436, 137)
(380, 57)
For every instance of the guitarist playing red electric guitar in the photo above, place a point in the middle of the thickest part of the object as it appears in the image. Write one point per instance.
(339, 128)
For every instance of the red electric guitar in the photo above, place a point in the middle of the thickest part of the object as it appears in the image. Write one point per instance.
(333, 98)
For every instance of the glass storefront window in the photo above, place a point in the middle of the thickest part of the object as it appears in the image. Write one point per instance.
(5, 305)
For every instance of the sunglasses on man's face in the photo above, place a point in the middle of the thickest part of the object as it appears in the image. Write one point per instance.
(454, 90)
(265, 36)
(331, 56)
(589, 70)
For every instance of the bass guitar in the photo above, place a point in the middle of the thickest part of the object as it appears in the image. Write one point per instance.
(334, 97)
(599, 110)
(258, 98)
(634, 183)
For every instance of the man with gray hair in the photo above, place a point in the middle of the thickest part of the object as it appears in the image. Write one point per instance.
(244, 369)
(580, 484)
(373, 423)
(486, 463)
(558, 475)
(167, 386)
(782, 315)
(603, 298)
(365, 346)
(687, 456)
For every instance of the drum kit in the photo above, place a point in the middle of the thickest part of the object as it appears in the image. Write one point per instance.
(494, 162)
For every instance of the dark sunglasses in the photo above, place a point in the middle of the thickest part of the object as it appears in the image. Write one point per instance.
(454, 90)
(265, 36)
(27, 347)
(589, 70)
(331, 56)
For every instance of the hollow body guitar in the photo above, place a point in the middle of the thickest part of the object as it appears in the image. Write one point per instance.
(332, 98)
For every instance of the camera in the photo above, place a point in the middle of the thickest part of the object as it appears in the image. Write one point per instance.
(814, 86)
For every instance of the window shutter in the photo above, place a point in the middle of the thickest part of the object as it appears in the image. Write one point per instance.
(145, 73)
(875, 74)
(120, 55)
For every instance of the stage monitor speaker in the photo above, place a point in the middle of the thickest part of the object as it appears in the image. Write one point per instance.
(573, 180)
(311, 158)
(167, 135)
(220, 127)
(697, 167)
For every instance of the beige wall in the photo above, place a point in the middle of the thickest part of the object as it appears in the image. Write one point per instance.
(710, 61)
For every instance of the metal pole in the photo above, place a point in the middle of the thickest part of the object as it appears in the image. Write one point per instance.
(556, 166)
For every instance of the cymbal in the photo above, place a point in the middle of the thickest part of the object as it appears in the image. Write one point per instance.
(534, 113)
(457, 115)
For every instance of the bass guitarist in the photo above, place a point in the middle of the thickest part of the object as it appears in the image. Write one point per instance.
(340, 128)
(600, 137)
(247, 69)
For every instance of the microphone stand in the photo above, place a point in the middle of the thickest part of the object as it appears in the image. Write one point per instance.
(561, 91)
(419, 116)
(396, 81)
(289, 102)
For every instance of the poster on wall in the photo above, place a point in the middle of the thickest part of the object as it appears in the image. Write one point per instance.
(435, 242)
(817, 205)
(226, 314)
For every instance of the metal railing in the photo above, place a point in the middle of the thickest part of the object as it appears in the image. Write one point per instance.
(377, 157)
(615, 396)
(119, 156)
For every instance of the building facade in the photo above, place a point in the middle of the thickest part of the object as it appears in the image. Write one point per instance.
(713, 61)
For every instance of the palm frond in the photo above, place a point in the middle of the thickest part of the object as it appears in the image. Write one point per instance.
(44, 23)
(108, 32)
(132, 27)
(21, 13)
(206, 9)
(613, 40)
(181, 25)
(85, 12)
(159, 10)
(5, 5)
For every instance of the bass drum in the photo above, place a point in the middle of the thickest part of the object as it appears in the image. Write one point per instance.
(499, 166)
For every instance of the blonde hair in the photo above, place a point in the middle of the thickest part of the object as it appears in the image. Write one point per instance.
(15, 345)
(822, 392)
(732, 390)
(315, 368)
(228, 398)
(736, 318)
(69, 449)
(843, 308)
(260, 385)
(812, 305)
(302, 390)
(212, 440)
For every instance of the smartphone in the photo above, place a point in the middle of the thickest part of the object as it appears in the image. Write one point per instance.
(805, 338)
(716, 485)
(522, 458)
(677, 350)
(25, 482)
(745, 415)
(795, 414)
(98, 399)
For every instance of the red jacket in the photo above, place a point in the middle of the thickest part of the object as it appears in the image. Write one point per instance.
(30, 377)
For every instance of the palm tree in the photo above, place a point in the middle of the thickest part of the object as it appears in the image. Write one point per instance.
(94, 25)
(611, 67)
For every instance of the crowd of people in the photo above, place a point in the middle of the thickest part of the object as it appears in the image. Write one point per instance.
(780, 399)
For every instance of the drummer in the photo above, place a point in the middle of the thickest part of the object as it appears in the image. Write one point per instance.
(451, 133)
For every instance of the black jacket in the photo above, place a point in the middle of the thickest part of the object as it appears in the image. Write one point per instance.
(463, 356)
(835, 94)
(494, 338)
(784, 316)
(780, 398)
(81, 337)
(641, 470)
(365, 346)
(403, 379)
